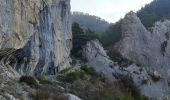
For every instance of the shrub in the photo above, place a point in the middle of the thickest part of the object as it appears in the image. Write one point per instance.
(130, 87)
(110, 92)
(41, 77)
(45, 82)
(144, 81)
(89, 70)
(73, 76)
(80, 38)
(103, 78)
(47, 95)
(85, 73)
(95, 91)
(29, 80)
(126, 96)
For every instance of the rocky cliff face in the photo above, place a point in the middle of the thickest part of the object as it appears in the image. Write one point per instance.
(113, 71)
(149, 49)
(35, 35)
(97, 58)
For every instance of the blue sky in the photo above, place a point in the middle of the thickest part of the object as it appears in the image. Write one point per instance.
(110, 10)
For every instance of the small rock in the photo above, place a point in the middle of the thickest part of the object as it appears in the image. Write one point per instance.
(156, 74)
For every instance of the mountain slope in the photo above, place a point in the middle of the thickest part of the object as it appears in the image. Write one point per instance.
(94, 23)
(155, 11)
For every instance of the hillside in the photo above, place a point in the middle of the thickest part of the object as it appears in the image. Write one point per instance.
(89, 21)
(155, 11)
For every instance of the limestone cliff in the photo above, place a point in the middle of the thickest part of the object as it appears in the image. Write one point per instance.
(97, 58)
(35, 35)
(149, 49)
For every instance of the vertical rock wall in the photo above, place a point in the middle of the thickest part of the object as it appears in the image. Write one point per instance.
(35, 35)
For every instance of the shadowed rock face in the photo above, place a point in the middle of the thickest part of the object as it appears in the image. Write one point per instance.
(35, 35)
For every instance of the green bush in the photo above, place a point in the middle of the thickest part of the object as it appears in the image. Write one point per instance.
(130, 87)
(127, 96)
(95, 91)
(80, 38)
(94, 88)
(29, 80)
(73, 76)
(89, 70)
(144, 82)
(45, 82)
(110, 92)
(84, 73)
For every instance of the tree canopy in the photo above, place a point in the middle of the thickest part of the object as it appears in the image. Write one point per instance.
(80, 38)
(94, 23)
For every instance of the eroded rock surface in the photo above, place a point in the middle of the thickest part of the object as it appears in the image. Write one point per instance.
(97, 58)
(150, 84)
(35, 35)
(149, 49)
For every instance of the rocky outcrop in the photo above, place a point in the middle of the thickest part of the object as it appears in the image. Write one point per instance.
(97, 58)
(35, 35)
(151, 84)
(149, 49)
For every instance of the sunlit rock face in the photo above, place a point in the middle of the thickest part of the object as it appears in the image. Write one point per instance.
(35, 35)
(149, 48)
(97, 58)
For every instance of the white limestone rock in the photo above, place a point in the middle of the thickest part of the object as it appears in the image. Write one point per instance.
(150, 49)
(97, 58)
(35, 35)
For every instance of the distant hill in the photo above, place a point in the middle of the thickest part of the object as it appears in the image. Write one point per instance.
(94, 23)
